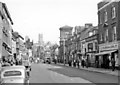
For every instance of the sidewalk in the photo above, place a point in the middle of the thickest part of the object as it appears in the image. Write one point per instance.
(100, 70)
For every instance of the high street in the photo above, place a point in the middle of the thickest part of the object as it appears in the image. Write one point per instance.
(48, 73)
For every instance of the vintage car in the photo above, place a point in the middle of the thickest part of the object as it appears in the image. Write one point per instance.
(13, 75)
(47, 60)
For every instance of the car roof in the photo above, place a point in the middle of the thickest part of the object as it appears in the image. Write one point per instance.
(13, 67)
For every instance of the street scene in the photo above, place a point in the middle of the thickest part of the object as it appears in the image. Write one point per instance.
(46, 46)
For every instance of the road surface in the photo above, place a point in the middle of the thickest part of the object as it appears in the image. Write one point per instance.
(47, 73)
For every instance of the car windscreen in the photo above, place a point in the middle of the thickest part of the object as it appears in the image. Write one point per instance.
(12, 73)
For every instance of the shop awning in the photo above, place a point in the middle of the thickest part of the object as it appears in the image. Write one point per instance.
(106, 52)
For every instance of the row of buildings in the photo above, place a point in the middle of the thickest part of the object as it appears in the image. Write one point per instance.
(94, 43)
(12, 44)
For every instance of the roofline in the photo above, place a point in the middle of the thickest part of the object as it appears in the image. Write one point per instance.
(107, 4)
(7, 12)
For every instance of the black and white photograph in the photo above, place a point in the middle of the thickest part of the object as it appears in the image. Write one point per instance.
(65, 42)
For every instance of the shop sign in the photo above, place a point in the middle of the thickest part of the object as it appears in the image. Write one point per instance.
(111, 46)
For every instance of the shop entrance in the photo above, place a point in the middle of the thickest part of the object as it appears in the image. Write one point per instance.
(105, 61)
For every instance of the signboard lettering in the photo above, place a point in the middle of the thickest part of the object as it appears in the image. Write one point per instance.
(109, 47)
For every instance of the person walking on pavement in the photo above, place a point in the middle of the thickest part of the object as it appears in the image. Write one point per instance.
(107, 62)
(69, 62)
(97, 63)
(74, 63)
(78, 62)
(113, 64)
(83, 63)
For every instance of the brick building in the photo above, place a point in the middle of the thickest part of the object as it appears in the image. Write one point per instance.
(91, 42)
(108, 29)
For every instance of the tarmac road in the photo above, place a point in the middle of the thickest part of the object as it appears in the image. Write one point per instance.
(47, 73)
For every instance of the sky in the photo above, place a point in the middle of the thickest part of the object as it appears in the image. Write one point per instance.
(32, 17)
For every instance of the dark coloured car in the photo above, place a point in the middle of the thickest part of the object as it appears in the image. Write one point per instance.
(47, 60)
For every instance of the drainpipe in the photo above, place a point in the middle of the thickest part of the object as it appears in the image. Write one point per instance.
(119, 62)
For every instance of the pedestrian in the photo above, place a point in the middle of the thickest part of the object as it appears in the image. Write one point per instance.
(83, 63)
(86, 61)
(97, 63)
(74, 63)
(69, 62)
(78, 63)
(108, 62)
(113, 64)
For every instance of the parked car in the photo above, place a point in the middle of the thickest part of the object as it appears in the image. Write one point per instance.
(47, 60)
(14, 74)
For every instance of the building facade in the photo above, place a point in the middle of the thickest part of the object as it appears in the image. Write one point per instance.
(91, 42)
(84, 34)
(40, 39)
(65, 33)
(108, 29)
(6, 31)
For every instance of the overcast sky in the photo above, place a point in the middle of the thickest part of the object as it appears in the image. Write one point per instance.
(32, 17)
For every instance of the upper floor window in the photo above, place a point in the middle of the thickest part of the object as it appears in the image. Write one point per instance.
(94, 32)
(101, 37)
(90, 33)
(114, 33)
(96, 46)
(106, 35)
(100, 18)
(105, 16)
(113, 12)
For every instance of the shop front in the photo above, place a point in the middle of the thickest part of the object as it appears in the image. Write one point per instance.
(107, 51)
